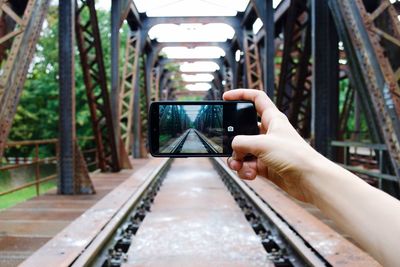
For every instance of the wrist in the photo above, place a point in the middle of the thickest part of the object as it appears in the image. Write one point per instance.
(314, 175)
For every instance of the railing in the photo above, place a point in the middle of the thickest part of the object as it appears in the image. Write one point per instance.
(366, 160)
(36, 159)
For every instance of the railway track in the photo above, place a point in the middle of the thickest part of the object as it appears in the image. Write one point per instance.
(281, 246)
(178, 146)
(193, 212)
(199, 142)
(210, 149)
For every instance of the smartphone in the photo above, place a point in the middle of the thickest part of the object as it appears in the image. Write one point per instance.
(198, 128)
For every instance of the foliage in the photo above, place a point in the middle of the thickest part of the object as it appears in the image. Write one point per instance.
(344, 86)
(37, 112)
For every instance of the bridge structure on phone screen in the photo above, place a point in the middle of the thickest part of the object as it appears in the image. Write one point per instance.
(191, 129)
(332, 67)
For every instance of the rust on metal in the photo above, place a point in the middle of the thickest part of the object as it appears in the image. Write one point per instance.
(29, 225)
(253, 65)
(91, 55)
(127, 90)
(20, 43)
(155, 83)
(384, 97)
(329, 244)
(68, 244)
(294, 89)
(83, 183)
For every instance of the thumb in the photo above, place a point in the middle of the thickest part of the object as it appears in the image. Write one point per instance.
(243, 145)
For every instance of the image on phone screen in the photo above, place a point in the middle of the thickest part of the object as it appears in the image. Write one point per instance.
(207, 128)
(187, 129)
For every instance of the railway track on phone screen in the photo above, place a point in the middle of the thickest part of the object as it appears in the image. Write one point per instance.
(178, 146)
(210, 149)
(193, 212)
(196, 142)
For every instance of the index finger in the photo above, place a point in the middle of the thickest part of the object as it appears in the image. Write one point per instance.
(266, 109)
(259, 98)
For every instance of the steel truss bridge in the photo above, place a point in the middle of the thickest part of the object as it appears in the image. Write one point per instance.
(295, 58)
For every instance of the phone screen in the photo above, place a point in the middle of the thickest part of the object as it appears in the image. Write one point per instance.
(199, 128)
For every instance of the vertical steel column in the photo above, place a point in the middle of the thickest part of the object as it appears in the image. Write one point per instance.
(150, 63)
(136, 118)
(137, 129)
(325, 79)
(269, 43)
(357, 117)
(67, 96)
(265, 12)
(115, 42)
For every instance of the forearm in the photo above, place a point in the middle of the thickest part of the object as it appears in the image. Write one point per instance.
(364, 212)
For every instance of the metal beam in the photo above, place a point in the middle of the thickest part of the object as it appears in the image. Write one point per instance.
(67, 96)
(17, 47)
(265, 12)
(132, 15)
(325, 79)
(163, 61)
(127, 89)
(115, 42)
(136, 152)
(95, 79)
(269, 50)
(187, 93)
(375, 56)
(248, 16)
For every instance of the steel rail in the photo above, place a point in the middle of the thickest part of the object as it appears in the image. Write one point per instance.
(294, 240)
(209, 147)
(134, 210)
(111, 243)
(179, 146)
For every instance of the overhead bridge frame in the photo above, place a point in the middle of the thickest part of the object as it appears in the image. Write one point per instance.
(294, 58)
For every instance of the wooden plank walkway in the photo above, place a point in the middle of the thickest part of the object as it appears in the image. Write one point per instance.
(27, 226)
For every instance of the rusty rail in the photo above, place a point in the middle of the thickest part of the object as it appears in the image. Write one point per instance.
(36, 161)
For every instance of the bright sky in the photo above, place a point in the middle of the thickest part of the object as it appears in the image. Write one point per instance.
(213, 32)
(192, 111)
(155, 8)
(198, 87)
(203, 66)
(197, 52)
(200, 77)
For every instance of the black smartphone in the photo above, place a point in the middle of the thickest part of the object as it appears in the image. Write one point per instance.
(198, 128)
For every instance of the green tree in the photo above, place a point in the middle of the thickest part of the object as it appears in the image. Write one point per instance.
(37, 111)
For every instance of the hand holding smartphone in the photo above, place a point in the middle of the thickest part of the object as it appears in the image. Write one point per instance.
(198, 129)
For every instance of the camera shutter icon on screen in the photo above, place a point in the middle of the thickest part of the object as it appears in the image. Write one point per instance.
(230, 129)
